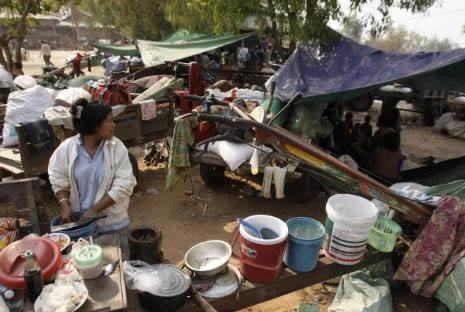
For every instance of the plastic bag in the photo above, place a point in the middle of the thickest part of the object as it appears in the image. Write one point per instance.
(452, 290)
(233, 154)
(24, 106)
(141, 276)
(6, 80)
(360, 292)
(305, 120)
(72, 95)
(25, 82)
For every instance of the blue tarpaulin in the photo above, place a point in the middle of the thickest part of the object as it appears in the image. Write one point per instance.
(343, 69)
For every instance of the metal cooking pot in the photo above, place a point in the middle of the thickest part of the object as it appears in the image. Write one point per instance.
(208, 258)
(88, 230)
(170, 293)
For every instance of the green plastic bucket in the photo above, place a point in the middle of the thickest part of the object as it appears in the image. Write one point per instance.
(384, 234)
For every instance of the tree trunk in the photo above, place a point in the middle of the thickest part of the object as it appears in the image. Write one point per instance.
(21, 30)
(74, 18)
(2, 59)
(275, 42)
(9, 56)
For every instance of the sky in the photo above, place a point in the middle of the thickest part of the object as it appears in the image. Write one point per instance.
(445, 19)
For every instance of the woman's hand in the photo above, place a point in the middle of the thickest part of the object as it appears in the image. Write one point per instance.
(66, 212)
(89, 214)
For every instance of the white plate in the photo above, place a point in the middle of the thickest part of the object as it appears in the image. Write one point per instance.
(81, 288)
(225, 285)
(62, 240)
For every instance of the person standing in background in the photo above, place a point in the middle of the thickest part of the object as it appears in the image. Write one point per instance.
(46, 53)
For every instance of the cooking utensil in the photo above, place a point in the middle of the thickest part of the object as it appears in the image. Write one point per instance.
(74, 234)
(267, 233)
(251, 227)
(109, 268)
(74, 225)
(169, 290)
(61, 239)
(12, 261)
(208, 258)
(263, 233)
(203, 304)
(225, 284)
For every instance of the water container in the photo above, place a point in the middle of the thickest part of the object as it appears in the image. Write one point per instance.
(305, 238)
(261, 259)
(348, 225)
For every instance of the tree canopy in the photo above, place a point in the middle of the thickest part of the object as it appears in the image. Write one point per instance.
(139, 19)
(16, 20)
(401, 40)
(294, 19)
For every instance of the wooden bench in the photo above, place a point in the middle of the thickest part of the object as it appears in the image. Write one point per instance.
(23, 199)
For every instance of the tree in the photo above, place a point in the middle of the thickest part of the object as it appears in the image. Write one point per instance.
(297, 19)
(136, 19)
(353, 28)
(15, 23)
(401, 40)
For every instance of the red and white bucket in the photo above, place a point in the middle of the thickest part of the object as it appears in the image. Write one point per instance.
(261, 259)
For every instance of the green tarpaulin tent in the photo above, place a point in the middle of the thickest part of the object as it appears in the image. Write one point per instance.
(183, 44)
(121, 50)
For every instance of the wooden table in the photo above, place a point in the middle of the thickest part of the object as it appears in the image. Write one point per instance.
(288, 281)
(105, 293)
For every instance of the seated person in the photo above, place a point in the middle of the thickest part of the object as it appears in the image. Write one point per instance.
(366, 128)
(343, 133)
(18, 70)
(91, 172)
(386, 160)
(237, 81)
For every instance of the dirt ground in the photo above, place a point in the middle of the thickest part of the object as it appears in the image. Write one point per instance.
(183, 224)
(34, 62)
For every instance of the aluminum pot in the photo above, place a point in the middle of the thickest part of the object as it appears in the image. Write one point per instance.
(208, 258)
(170, 293)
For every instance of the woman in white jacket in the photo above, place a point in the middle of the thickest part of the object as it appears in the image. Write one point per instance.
(90, 172)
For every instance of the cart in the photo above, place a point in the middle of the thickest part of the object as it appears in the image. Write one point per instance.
(25, 161)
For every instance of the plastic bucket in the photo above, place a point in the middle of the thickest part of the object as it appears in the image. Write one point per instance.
(305, 238)
(348, 225)
(261, 259)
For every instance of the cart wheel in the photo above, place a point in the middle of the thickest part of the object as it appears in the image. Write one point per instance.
(303, 188)
(362, 103)
(135, 166)
(211, 174)
(432, 111)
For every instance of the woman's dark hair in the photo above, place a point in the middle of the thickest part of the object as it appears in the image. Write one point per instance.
(391, 141)
(87, 117)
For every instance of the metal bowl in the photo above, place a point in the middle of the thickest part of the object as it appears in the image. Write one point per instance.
(84, 231)
(208, 258)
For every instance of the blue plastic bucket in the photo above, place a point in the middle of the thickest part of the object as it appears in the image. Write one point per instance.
(305, 239)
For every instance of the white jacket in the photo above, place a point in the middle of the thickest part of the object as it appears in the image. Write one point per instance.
(118, 181)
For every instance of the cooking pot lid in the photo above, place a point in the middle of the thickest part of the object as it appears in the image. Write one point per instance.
(168, 281)
(12, 263)
(225, 284)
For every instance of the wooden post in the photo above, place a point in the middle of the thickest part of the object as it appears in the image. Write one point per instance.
(24, 147)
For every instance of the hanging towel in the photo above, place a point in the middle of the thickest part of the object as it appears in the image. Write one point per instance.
(183, 140)
(148, 109)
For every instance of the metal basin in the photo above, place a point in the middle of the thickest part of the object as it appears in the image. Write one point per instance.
(208, 258)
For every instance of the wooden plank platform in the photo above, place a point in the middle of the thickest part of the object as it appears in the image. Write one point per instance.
(10, 160)
(288, 281)
(105, 293)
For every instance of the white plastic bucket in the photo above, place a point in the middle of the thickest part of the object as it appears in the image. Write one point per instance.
(348, 225)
